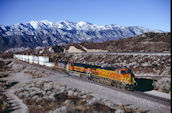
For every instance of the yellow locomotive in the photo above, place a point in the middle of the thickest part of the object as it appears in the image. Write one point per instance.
(119, 77)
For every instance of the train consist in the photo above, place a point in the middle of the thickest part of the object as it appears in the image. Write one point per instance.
(118, 77)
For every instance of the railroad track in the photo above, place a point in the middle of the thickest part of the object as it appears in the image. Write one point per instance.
(160, 100)
(157, 99)
(139, 94)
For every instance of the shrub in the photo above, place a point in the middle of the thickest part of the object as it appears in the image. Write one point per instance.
(163, 84)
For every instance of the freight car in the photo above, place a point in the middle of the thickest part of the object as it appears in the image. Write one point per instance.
(118, 77)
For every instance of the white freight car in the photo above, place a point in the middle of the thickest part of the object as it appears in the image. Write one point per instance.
(43, 60)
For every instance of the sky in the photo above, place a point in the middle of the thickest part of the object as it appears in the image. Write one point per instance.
(153, 14)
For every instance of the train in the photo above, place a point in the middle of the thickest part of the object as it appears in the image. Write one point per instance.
(117, 77)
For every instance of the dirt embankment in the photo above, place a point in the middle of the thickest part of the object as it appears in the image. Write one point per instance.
(5, 106)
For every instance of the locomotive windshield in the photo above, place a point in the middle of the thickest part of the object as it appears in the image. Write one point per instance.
(126, 71)
(129, 71)
(123, 72)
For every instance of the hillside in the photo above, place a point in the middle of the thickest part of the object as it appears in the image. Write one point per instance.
(148, 42)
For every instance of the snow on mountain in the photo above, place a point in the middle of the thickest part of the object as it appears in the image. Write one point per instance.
(82, 23)
(46, 22)
(86, 26)
(46, 33)
(34, 24)
(65, 25)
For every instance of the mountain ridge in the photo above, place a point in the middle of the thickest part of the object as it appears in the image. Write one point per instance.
(45, 33)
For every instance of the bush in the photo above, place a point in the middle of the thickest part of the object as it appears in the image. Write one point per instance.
(163, 84)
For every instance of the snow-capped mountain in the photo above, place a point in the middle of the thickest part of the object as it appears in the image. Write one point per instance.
(46, 33)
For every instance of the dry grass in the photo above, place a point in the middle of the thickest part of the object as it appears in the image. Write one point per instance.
(65, 100)
(4, 65)
(6, 55)
(5, 106)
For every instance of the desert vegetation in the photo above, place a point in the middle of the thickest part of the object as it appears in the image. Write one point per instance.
(47, 96)
(163, 85)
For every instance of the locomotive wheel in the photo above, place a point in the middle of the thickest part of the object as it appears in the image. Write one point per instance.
(129, 88)
(113, 83)
(118, 84)
(123, 86)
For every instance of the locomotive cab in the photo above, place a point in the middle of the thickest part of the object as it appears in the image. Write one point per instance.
(128, 77)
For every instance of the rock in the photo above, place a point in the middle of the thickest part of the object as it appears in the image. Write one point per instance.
(48, 86)
(84, 96)
(20, 94)
(62, 89)
(67, 102)
(70, 92)
(145, 64)
(62, 109)
(120, 104)
(46, 97)
(26, 94)
(38, 100)
(83, 92)
(119, 111)
(43, 92)
(75, 93)
(56, 87)
(32, 93)
(51, 96)
(35, 97)
(92, 101)
(48, 92)
(108, 103)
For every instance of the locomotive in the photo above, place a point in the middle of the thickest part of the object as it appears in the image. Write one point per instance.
(118, 77)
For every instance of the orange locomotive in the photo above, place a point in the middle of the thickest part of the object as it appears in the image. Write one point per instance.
(119, 77)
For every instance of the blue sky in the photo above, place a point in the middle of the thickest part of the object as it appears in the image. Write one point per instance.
(153, 14)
